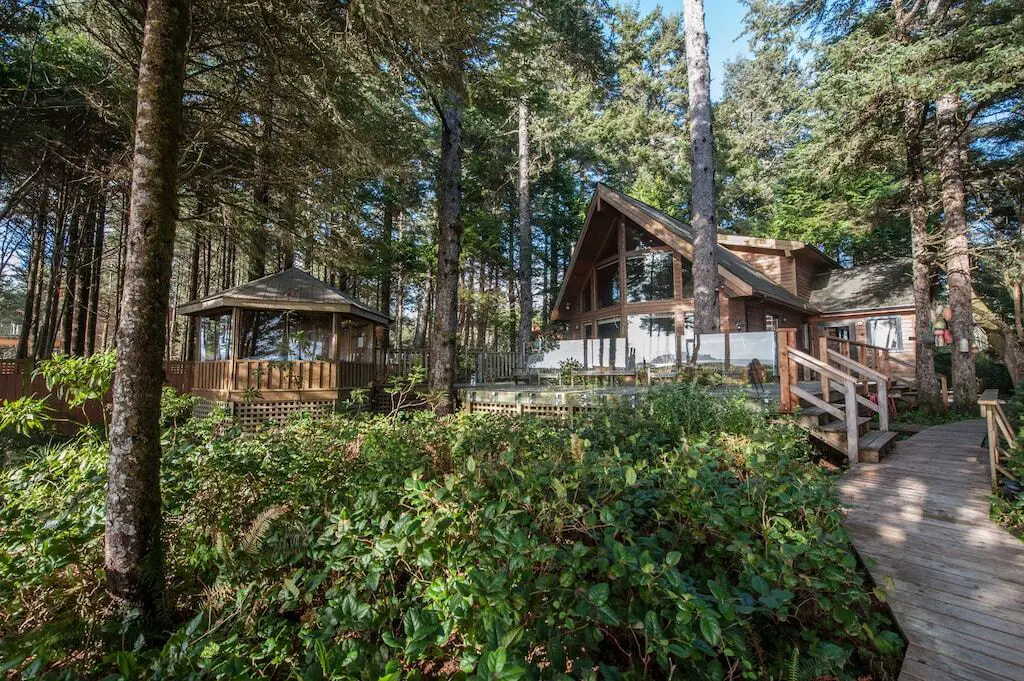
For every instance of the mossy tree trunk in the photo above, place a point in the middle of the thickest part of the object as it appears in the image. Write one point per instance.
(924, 262)
(133, 550)
(957, 255)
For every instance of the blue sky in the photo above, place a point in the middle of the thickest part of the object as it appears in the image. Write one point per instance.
(724, 22)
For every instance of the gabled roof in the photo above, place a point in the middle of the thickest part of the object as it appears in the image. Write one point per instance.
(735, 273)
(786, 245)
(882, 285)
(290, 289)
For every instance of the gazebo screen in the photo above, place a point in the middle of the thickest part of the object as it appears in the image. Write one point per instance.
(215, 337)
(281, 335)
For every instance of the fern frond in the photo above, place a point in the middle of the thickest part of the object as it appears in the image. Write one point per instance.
(218, 595)
(793, 671)
(253, 538)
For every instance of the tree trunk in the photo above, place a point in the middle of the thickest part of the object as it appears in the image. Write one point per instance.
(95, 272)
(525, 235)
(702, 169)
(189, 345)
(35, 265)
(122, 242)
(74, 257)
(83, 280)
(388, 229)
(1018, 313)
(449, 239)
(419, 334)
(958, 260)
(134, 555)
(924, 263)
(48, 331)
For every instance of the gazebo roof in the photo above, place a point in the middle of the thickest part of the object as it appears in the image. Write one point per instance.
(291, 289)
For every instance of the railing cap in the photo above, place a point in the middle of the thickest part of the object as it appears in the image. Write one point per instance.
(989, 398)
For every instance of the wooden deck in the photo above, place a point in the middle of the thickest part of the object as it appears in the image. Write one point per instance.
(955, 580)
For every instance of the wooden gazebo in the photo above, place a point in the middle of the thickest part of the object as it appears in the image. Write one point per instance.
(279, 342)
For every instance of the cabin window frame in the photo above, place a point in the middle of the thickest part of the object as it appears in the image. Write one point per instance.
(648, 257)
(897, 325)
(616, 285)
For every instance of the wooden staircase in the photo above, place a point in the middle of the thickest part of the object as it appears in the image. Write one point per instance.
(839, 405)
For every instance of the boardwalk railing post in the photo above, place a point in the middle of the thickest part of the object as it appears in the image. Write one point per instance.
(883, 405)
(993, 444)
(826, 384)
(852, 427)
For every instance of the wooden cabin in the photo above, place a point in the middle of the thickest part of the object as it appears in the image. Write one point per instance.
(630, 283)
(279, 344)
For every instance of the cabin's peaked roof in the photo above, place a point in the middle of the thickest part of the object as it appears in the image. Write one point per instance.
(735, 272)
(290, 289)
(881, 285)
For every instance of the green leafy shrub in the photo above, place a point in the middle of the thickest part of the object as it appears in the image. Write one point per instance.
(175, 408)
(683, 533)
(78, 380)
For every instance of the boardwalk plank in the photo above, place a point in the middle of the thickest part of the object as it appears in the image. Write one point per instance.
(954, 579)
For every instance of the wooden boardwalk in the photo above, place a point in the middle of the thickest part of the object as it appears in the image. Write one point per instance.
(955, 579)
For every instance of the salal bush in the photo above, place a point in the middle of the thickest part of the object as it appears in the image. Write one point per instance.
(680, 537)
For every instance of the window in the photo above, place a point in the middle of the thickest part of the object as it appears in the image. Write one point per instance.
(638, 239)
(283, 336)
(607, 350)
(608, 285)
(214, 338)
(885, 332)
(652, 339)
(609, 328)
(687, 279)
(771, 322)
(649, 277)
(586, 299)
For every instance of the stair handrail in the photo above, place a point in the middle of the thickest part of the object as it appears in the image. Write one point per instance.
(815, 364)
(881, 382)
(998, 426)
(849, 411)
(878, 353)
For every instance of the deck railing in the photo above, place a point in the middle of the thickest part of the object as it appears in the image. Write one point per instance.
(864, 375)
(791, 361)
(882, 360)
(999, 432)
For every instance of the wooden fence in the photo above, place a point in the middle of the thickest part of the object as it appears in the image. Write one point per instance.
(18, 379)
(487, 366)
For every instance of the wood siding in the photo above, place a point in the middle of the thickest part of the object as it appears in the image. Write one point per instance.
(775, 265)
(858, 322)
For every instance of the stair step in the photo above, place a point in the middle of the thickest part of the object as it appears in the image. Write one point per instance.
(873, 446)
(837, 426)
(876, 440)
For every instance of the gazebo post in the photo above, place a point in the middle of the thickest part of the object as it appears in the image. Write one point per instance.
(335, 346)
(236, 321)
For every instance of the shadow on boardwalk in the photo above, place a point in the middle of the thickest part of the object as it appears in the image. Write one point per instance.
(955, 579)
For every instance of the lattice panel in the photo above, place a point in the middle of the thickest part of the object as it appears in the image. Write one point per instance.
(204, 408)
(557, 411)
(252, 414)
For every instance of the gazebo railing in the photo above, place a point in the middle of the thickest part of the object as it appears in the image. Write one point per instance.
(221, 377)
(265, 375)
